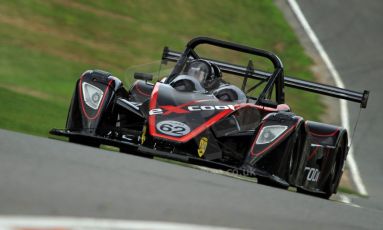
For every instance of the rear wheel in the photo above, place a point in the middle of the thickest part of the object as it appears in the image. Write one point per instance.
(333, 180)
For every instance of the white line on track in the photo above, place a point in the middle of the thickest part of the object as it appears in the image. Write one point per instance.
(68, 223)
(354, 171)
(345, 199)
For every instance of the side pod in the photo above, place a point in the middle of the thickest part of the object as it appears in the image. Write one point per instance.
(91, 101)
(275, 142)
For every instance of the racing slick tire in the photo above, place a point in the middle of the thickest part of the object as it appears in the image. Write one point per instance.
(134, 152)
(332, 183)
(80, 141)
(270, 182)
(289, 169)
(295, 156)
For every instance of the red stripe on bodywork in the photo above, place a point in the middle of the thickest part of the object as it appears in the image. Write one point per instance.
(325, 134)
(187, 137)
(255, 140)
(276, 141)
(152, 105)
(193, 133)
(313, 153)
(201, 128)
(288, 131)
(141, 91)
(178, 109)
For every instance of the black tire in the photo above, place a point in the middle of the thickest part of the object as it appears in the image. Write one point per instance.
(287, 170)
(84, 142)
(332, 182)
(132, 151)
(269, 182)
(294, 158)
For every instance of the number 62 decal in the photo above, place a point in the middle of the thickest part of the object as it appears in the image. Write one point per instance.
(173, 128)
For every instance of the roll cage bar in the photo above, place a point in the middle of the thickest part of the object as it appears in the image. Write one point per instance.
(276, 78)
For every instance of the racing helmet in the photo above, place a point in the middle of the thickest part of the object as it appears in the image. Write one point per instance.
(227, 92)
(186, 83)
(206, 73)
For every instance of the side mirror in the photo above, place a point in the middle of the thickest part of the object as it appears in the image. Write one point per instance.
(143, 76)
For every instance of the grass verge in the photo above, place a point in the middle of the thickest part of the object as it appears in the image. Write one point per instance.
(46, 45)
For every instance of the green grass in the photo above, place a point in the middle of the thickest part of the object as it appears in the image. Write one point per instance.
(349, 191)
(28, 114)
(46, 45)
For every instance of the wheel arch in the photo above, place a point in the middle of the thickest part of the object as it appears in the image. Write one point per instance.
(322, 165)
(83, 116)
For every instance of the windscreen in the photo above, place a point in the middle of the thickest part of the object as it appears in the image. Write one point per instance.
(160, 70)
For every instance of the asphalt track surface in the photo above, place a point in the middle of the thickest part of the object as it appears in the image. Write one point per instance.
(351, 32)
(39, 176)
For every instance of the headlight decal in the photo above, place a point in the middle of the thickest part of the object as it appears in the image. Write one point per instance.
(269, 133)
(92, 95)
(88, 114)
(276, 140)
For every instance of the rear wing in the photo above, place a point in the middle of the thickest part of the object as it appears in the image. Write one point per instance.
(332, 91)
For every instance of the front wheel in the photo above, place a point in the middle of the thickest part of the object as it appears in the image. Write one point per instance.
(133, 151)
(294, 157)
(82, 141)
(269, 182)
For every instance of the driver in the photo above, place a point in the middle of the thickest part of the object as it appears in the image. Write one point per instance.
(207, 74)
(201, 75)
(198, 75)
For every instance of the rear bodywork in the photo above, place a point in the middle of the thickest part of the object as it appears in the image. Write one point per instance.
(154, 119)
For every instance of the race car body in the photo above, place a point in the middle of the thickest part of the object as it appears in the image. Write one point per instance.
(195, 115)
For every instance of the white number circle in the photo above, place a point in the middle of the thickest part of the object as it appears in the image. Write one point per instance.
(173, 128)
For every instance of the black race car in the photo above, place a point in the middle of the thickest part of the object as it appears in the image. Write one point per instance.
(213, 113)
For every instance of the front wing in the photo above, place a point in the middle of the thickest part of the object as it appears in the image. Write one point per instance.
(139, 150)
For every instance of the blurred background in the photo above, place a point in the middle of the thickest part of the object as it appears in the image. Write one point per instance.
(46, 45)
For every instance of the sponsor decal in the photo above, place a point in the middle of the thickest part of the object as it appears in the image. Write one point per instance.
(202, 146)
(143, 135)
(173, 128)
(313, 174)
(168, 109)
